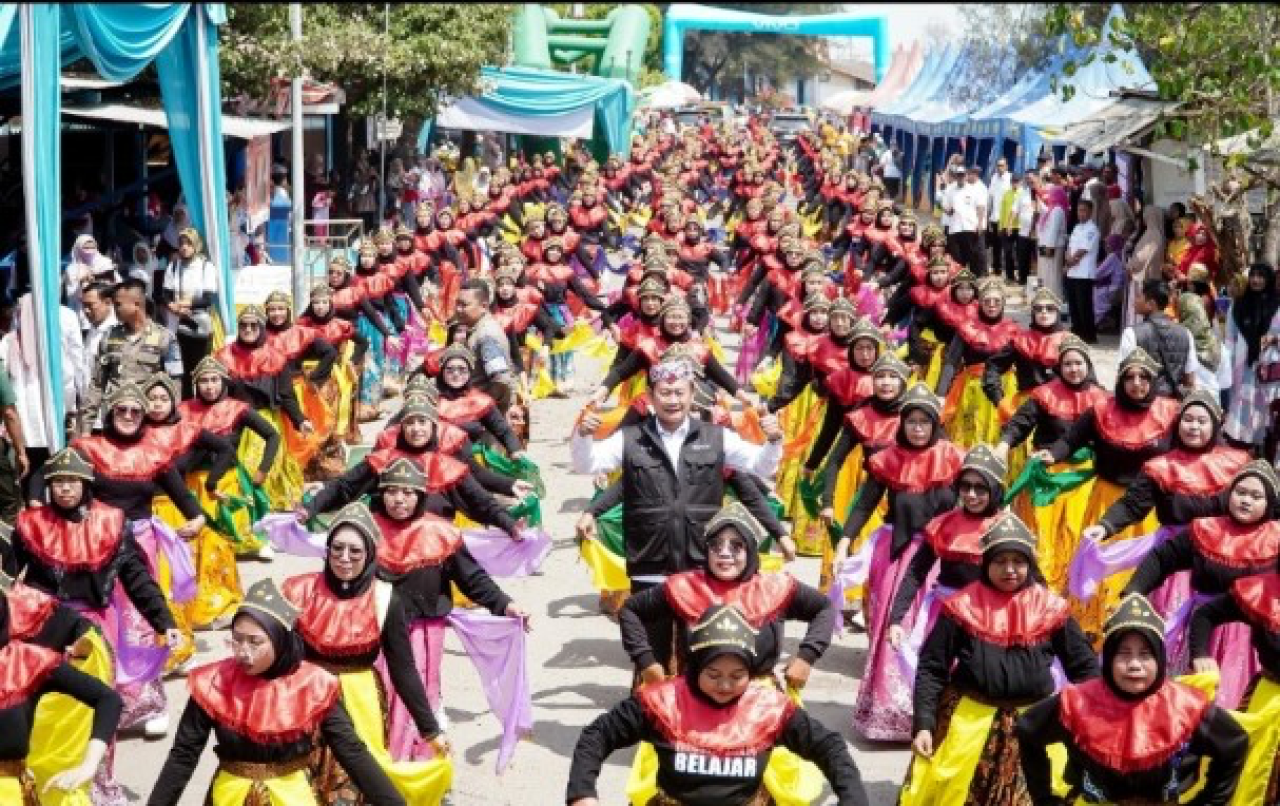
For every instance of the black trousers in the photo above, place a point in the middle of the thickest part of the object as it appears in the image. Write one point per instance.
(1080, 304)
(970, 252)
(662, 634)
(997, 243)
(893, 186)
(1022, 252)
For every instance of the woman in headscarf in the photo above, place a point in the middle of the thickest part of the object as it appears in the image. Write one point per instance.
(969, 415)
(87, 265)
(1193, 315)
(1043, 418)
(82, 551)
(1132, 735)
(952, 545)
(1051, 237)
(1252, 326)
(1109, 281)
(1240, 542)
(190, 296)
(348, 618)
(30, 672)
(1123, 220)
(460, 404)
(269, 709)
(1124, 431)
(1177, 246)
(1201, 249)
(989, 655)
(1146, 260)
(713, 728)
(917, 475)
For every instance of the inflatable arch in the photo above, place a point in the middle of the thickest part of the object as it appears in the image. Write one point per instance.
(545, 41)
(682, 16)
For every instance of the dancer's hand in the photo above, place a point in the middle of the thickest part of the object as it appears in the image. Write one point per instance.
(1095, 534)
(772, 430)
(516, 611)
(588, 424)
(586, 527)
(306, 428)
(521, 489)
(598, 397)
(440, 746)
(259, 478)
(174, 639)
(1204, 666)
(841, 553)
(653, 673)
(302, 515)
(81, 774)
(517, 531)
(923, 744)
(1043, 455)
(797, 673)
(191, 528)
(788, 547)
(827, 516)
(896, 634)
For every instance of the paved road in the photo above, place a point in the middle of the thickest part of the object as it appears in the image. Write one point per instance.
(577, 665)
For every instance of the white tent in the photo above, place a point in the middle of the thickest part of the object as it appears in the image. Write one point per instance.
(669, 96)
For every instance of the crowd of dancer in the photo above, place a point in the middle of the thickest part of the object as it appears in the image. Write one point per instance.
(1070, 593)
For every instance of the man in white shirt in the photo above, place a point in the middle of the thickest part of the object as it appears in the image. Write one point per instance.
(100, 315)
(673, 469)
(1082, 266)
(969, 223)
(1168, 342)
(1023, 229)
(1001, 184)
(891, 172)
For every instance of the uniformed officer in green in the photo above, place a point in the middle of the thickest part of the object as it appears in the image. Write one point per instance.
(133, 350)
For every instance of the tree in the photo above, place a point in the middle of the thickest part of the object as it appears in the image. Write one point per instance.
(718, 59)
(433, 50)
(1221, 64)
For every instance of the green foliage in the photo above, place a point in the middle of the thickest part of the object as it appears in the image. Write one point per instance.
(433, 50)
(1220, 61)
(719, 58)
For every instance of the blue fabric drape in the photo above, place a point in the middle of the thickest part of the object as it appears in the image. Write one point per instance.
(122, 38)
(187, 68)
(42, 158)
(540, 93)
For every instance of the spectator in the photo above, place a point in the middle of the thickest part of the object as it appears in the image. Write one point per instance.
(969, 223)
(1001, 187)
(1051, 232)
(100, 316)
(1177, 247)
(489, 342)
(1163, 339)
(366, 199)
(27, 374)
(1021, 224)
(14, 462)
(1082, 265)
(1146, 260)
(189, 294)
(891, 171)
(1252, 327)
(1193, 315)
(87, 265)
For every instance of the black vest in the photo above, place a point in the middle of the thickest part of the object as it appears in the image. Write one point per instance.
(665, 508)
(1170, 344)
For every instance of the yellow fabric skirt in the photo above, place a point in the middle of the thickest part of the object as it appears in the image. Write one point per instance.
(293, 789)
(1261, 720)
(301, 447)
(1058, 527)
(850, 477)
(244, 541)
(1009, 405)
(419, 782)
(60, 731)
(945, 779)
(14, 791)
(1093, 614)
(800, 421)
(284, 482)
(217, 579)
(791, 780)
(968, 416)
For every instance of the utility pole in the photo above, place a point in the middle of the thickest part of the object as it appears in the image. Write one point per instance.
(382, 133)
(300, 294)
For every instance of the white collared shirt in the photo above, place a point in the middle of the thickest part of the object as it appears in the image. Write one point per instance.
(605, 456)
(1084, 238)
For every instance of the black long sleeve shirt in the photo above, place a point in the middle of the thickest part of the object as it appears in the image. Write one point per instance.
(1218, 738)
(807, 604)
(626, 725)
(1013, 674)
(336, 731)
(17, 720)
(1113, 463)
(1224, 610)
(1178, 553)
(1173, 509)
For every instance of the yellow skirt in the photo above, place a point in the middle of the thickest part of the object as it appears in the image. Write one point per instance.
(968, 417)
(217, 580)
(284, 481)
(1018, 456)
(850, 477)
(60, 731)
(791, 780)
(800, 421)
(15, 791)
(1261, 720)
(1093, 614)
(1058, 526)
(293, 789)
(422, 783)
(243, 541)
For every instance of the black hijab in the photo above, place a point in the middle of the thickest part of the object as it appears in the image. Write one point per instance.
(356, 587)
(286, 643)
(1254, 311)
(1112, 643)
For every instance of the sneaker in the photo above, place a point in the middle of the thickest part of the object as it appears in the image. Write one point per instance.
(265, 554)
(157, 727)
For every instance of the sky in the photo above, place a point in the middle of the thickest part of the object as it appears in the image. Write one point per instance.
(907, 21)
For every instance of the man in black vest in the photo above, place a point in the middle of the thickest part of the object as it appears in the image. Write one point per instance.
(673, 470)
(1164, 340)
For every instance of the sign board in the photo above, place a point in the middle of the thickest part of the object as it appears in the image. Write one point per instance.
(390, 129)
(253, 284)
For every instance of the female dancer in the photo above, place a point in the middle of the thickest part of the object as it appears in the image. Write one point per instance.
(969, 415)
(990, 654)
(713, 728)
(269, 708)
(1132, 735)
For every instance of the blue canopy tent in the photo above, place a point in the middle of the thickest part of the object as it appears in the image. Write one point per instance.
(36, 41)
(546, 103)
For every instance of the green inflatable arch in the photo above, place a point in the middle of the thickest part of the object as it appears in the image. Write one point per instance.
(543, 40)
(683, 16)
